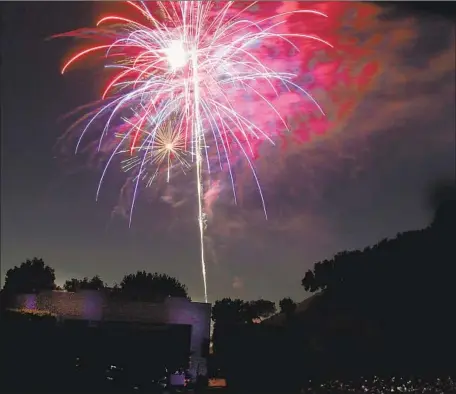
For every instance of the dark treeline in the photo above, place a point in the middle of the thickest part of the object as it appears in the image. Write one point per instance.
(387, 310)
(33, 276)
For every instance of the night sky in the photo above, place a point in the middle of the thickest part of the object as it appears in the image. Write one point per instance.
(365, 180)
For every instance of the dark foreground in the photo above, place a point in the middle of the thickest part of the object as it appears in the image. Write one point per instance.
(391, 385)
(41, 357)
(373, 386)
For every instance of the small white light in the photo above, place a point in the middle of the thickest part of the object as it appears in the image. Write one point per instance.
(176, 54)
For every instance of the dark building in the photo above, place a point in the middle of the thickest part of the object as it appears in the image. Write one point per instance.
(174, 333)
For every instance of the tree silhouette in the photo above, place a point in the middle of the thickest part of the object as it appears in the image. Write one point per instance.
(233, 331)
(287, 306)
(71, 285)
(231, 314)
(228, 311)
(4, 300)
(407, 254)
(143, 286)
(74, 285)
(442, 199)
(95, 283)
(31, 276)
(259, 309)
(381, 293)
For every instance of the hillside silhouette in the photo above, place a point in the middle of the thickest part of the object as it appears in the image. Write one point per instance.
(384, 310)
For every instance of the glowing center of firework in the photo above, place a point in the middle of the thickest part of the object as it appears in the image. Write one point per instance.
(176, 54)
(169, 146)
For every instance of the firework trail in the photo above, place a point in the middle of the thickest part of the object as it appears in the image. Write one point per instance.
(190, 76)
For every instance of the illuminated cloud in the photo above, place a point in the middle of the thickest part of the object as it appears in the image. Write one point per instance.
(238, 283)
(404, 118)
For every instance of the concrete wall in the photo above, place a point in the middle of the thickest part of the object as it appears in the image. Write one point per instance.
(85, 305)
(181, 311)
(146, 312)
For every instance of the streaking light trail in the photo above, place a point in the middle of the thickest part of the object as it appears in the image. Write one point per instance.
(197, 82)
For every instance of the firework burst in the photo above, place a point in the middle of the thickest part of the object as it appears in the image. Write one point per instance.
(201, 81)
(167, 152)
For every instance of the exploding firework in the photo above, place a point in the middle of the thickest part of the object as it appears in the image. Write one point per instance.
(167, 152)
(198, 83)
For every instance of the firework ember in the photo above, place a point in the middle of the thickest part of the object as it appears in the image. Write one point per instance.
(197, 83)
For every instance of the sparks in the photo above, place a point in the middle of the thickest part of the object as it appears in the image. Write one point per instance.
(192, 74)
(167, 151)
